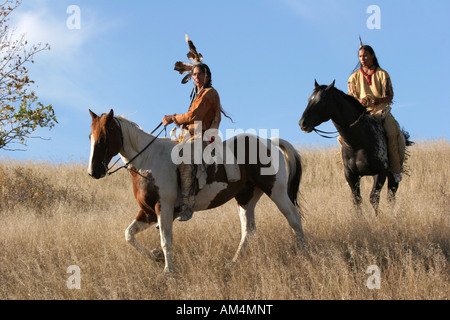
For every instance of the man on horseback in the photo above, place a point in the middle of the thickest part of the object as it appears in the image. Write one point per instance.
(372, 87)
(204, 112)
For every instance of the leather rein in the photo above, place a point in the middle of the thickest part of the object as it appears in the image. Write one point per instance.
(325, 133)
(108, 170)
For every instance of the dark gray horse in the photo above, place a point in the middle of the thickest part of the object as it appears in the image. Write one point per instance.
(364, 145)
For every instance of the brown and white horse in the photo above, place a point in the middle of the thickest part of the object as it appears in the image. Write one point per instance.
(156, 183)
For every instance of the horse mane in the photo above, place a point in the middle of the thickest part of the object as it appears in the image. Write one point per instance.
(346, 96)
(135, 132)
(128, 123)
(351, 99)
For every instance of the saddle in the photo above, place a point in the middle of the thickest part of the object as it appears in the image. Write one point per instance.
(200, 172)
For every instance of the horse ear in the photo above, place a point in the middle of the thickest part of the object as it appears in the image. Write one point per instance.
(315, 83)
(93, 115)
(110, 116)
(332, 84)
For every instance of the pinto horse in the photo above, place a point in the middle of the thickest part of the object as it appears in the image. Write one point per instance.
(156, 181)
(364, 145)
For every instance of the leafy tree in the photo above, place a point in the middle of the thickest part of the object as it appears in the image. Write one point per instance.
(20, 111)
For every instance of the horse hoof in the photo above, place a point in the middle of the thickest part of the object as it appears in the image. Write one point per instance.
(168, 271)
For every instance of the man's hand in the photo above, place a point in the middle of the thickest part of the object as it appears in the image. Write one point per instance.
(166, 120)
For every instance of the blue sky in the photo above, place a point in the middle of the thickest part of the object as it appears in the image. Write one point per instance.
(264, 56)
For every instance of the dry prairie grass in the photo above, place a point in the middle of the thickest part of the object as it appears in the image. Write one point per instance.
(53, 216)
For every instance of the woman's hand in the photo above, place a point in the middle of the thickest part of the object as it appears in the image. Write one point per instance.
(371, 101)
(364, 101)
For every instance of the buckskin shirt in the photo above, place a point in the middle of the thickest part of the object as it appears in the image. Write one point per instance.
(378, 85)
(375, 85)
(205, 108)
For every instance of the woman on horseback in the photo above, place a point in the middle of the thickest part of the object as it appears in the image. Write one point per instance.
(372, 87)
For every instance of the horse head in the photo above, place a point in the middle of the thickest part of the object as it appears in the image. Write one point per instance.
(319, 109)
(106, 142)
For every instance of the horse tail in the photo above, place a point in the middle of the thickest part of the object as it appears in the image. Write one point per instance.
(407, 137)
(293, 163)
(406, 152)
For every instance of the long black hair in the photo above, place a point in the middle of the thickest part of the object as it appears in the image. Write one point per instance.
(371, 51)
(208, 84)
(207, 71)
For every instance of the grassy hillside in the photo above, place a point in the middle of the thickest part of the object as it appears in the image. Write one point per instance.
(53, 216)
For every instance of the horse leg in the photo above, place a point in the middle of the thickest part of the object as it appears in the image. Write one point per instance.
(140, 224)
(392, 187)
(378, 183)
(280, 196)
(354, 181)
(246, 212)
(165, 222)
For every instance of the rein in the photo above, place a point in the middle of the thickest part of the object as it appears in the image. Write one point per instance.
(139, 153)
(324, 133)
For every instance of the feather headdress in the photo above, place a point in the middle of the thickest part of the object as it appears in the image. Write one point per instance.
(360, 43)
(195, 58)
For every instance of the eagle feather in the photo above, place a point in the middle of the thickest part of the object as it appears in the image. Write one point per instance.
(183, 67)
(193, 55)
(187, 78)
(186, 67)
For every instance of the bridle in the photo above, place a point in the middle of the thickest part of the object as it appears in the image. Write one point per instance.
(108, 170)
(325, 133)
(104, 162)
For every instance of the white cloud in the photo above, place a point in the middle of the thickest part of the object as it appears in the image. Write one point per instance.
(62, 73)
(44, 27)
(43, 22)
